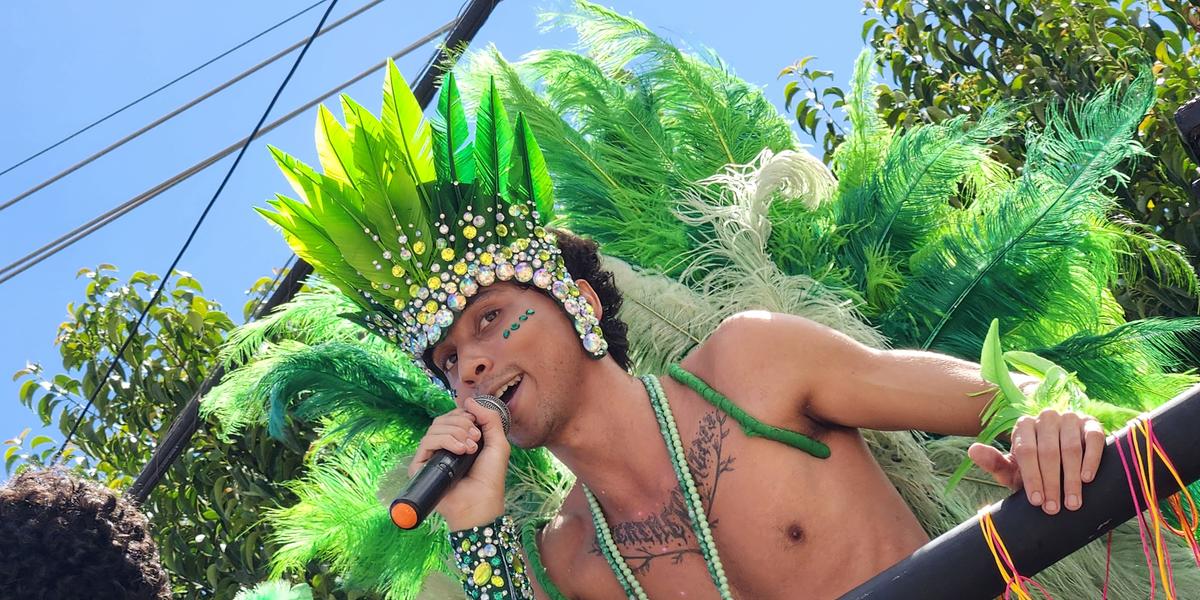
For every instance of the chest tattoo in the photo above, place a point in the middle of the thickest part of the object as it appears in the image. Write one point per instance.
(668, 533)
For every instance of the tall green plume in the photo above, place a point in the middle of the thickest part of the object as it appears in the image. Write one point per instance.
(627, 122)
(1033, 259)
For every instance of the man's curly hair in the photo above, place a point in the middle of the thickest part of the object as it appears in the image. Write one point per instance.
(64, 537)
(582, 259)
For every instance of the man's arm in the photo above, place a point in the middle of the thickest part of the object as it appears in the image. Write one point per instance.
(834, 380)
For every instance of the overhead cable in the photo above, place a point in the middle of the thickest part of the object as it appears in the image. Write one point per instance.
(181, 109)
(162, 87)
(66, 240)
(196, 228)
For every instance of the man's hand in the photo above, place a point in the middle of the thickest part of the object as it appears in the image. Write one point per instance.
(1053, 455)
(478, 497)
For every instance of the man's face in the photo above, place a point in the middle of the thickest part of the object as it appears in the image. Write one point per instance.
(530, 368)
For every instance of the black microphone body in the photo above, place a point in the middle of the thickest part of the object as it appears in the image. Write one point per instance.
(437, 476)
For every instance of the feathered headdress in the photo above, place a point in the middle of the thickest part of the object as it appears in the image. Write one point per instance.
(410, 221)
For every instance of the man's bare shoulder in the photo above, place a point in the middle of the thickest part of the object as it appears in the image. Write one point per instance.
(768, 360)
(749, 342)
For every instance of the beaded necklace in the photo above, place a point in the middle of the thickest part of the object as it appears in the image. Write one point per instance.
(695, 506)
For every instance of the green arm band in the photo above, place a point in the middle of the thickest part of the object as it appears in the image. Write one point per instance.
(489, 561)
(750, 426)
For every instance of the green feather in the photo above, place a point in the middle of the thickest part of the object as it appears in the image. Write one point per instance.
(333, 148)
(406, 124)
(1137, 365)
(276, 590)
(923, 168)
(452, 152)
(1032, 258)
(493, 150)
(529, 177)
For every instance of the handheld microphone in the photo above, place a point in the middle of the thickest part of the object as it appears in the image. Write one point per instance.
(410, 508)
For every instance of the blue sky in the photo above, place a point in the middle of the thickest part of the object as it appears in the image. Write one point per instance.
(68, 63)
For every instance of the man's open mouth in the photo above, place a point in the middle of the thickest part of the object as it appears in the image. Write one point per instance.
(509, 390)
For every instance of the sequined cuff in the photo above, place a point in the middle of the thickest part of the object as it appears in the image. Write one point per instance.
(489, 561)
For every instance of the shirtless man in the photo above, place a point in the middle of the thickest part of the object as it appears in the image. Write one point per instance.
(782, 520)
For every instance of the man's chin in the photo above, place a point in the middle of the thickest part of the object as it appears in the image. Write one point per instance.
(525, 441)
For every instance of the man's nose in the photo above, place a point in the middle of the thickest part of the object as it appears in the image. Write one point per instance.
(474, 369)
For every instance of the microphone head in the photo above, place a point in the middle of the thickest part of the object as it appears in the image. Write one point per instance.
(491, 402)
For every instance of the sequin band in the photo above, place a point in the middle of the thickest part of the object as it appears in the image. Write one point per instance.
(489, 561)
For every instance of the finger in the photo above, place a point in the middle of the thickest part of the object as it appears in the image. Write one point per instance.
(1049, 463)
(1093, 448)
(488, 420)
(459, 432)
(1002, 468)
(1024, 451)
(432, 443)
(456, 416)
(1070, 440)
(494, 457)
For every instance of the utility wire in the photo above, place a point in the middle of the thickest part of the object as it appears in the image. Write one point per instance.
(262, 299)
(66, 240)
(181, 109)
(196, 228)
(161, 88)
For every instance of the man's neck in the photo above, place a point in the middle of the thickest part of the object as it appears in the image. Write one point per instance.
(612, 442)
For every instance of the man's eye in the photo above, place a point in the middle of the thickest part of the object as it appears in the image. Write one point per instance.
(488, 317)
(449, 362)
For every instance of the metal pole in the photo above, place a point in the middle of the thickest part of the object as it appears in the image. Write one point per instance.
(180, 433)
(959, 566)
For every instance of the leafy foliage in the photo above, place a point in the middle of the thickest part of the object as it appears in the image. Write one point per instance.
(954, 58)
(207, 511)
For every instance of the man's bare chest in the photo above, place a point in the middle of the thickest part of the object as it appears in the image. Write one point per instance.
(754, 496)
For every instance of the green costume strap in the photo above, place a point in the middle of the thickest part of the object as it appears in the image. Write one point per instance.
(489, 559)
(750, 426)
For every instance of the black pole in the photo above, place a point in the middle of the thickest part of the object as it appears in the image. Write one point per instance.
(180, 433)
(958, 565)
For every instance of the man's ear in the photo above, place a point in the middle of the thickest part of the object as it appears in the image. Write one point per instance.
(585, 289)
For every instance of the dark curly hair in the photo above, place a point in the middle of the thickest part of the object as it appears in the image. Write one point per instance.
(582, 259)
(64, 537)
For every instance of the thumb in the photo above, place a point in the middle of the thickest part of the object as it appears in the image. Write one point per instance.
(495, 442)
(1000, 466)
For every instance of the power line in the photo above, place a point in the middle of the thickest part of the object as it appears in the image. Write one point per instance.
(262, 299)
(181, 109)
(161, 88)
(66, 240)
(196, 228)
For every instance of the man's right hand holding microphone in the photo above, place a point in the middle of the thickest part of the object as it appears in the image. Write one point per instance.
(477, 498)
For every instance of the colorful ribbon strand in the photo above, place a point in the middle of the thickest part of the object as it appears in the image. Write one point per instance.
(1014, 581)
(1139, 470)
